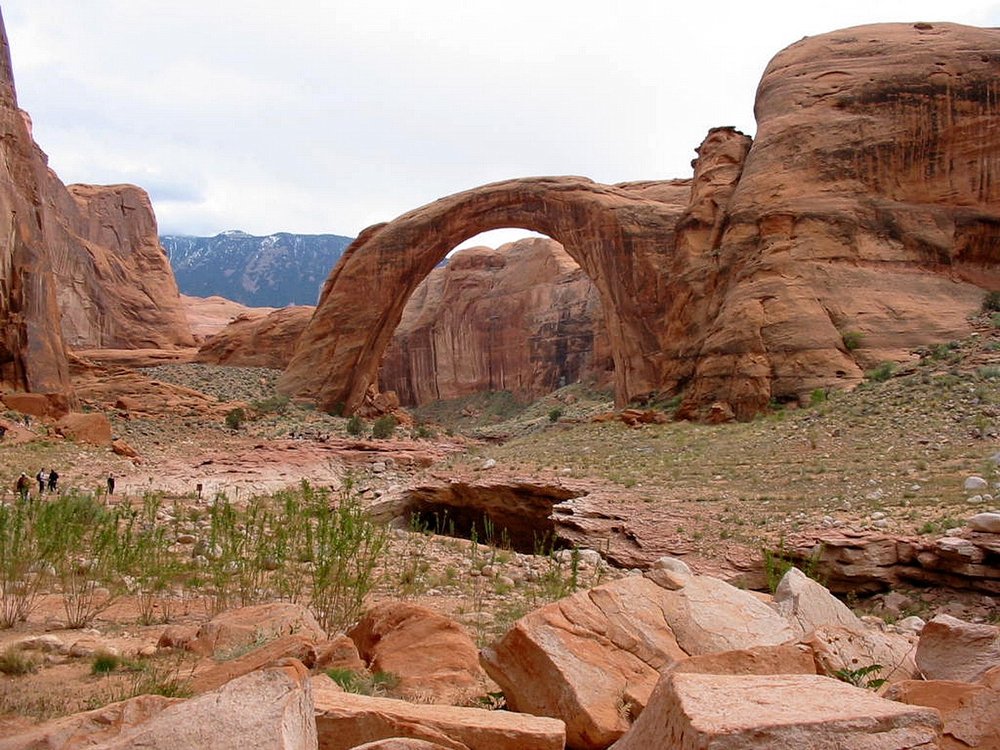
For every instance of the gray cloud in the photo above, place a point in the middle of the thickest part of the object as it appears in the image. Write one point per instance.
(292, 117)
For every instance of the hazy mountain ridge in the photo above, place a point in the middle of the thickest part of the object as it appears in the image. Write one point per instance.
(273, 271)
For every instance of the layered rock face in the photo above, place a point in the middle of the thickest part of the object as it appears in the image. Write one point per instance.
(867, 205)
(257, 339)
(523, 318)
(81, 267)
(32, 352)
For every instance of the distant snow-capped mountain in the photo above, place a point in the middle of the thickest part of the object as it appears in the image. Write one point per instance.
(274, 271)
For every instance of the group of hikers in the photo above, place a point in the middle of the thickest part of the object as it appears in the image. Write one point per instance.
(49, 481)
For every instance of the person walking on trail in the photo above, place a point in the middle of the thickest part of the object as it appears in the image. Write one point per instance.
(111, 484)
(40, 478)
(53, 478)
(23, 484)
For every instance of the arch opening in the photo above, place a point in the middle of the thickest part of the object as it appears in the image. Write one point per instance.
(521, 318)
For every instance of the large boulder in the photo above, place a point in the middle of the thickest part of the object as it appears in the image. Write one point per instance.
(692, 711)
(345, 720)
(970, 711)
(863, 655)
(91, 427)
(432, 656)
(214, 675)
(263, 710)
(952, 649)
(89, 728)
(809, 605)
(240, 630)
(592, 659)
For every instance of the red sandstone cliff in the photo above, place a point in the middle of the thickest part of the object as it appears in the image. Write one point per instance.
(81, 266)
(523, 318)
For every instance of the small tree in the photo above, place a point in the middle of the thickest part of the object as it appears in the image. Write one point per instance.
(383, 427)
(355, 425)
(235, 418)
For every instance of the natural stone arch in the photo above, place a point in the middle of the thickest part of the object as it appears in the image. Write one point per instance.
(621, 236)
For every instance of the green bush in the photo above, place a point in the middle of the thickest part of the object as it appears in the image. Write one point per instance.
(104, 663)
(383, 427)
(852, 340)
(817, 397)
(355, 425)
(235, 418)
(276, 404)
(991, 302)
(555, 414)
(882, 372)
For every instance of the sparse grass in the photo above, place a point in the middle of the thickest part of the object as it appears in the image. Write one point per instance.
(364, 683)
(15, 662)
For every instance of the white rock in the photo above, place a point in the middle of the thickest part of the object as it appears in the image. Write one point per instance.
(974, 484)
(489, 463)
(911, 624)
(673, 563)
(986, 522)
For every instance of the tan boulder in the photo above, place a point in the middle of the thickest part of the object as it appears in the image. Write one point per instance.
(952, 649)
(808, 605)
(214, 675)
(89, 728)
(400, 743)
(121, 448)
(36, 404)
(272, 708)
(970, 711)
(432, 656)
(841, 651)
(339, 652)
(779, 712)
(92, 427)
(788, 658)
(345, 720)
(239, 630)
(592, 659)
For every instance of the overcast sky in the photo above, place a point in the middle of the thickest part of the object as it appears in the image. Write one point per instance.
(318, 116)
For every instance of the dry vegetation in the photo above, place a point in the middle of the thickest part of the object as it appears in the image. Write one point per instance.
(892, 454)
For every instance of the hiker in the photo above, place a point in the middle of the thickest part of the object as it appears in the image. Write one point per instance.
(53, 478)
(111, 484)
(40, 477)
(23, 483)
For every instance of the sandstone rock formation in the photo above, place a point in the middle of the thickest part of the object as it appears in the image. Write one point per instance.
(781, 712)
(433, 657)
(82, 266)
(523, 318)
(951, 649)
(345, 720)
(866, 207)
(240, 628)
(257, 340)
(32, 352)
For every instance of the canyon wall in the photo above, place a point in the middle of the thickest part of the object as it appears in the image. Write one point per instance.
(866, 207)
(79, 266)
(522, 318)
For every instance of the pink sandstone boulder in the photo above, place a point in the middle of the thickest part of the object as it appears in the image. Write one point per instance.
(809, 605)
(400, 743)
(92, 428)
(239, 630)
(970, 711)
(778, 712)
(432, 656)
(952, 649)
(345, 720)
(593, 658)
(841, 652)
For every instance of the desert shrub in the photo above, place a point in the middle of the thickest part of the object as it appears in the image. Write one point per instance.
(355, 425)
(276, 404)
(104, 663)
(376, 683)
(15, 662)
(852, 340)
(991, 302)
(863, 677)
(555, 414)
(383, 427)
(882, 372)
(235, 418)
(346, 547)
(423, 432)
(817, 397)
